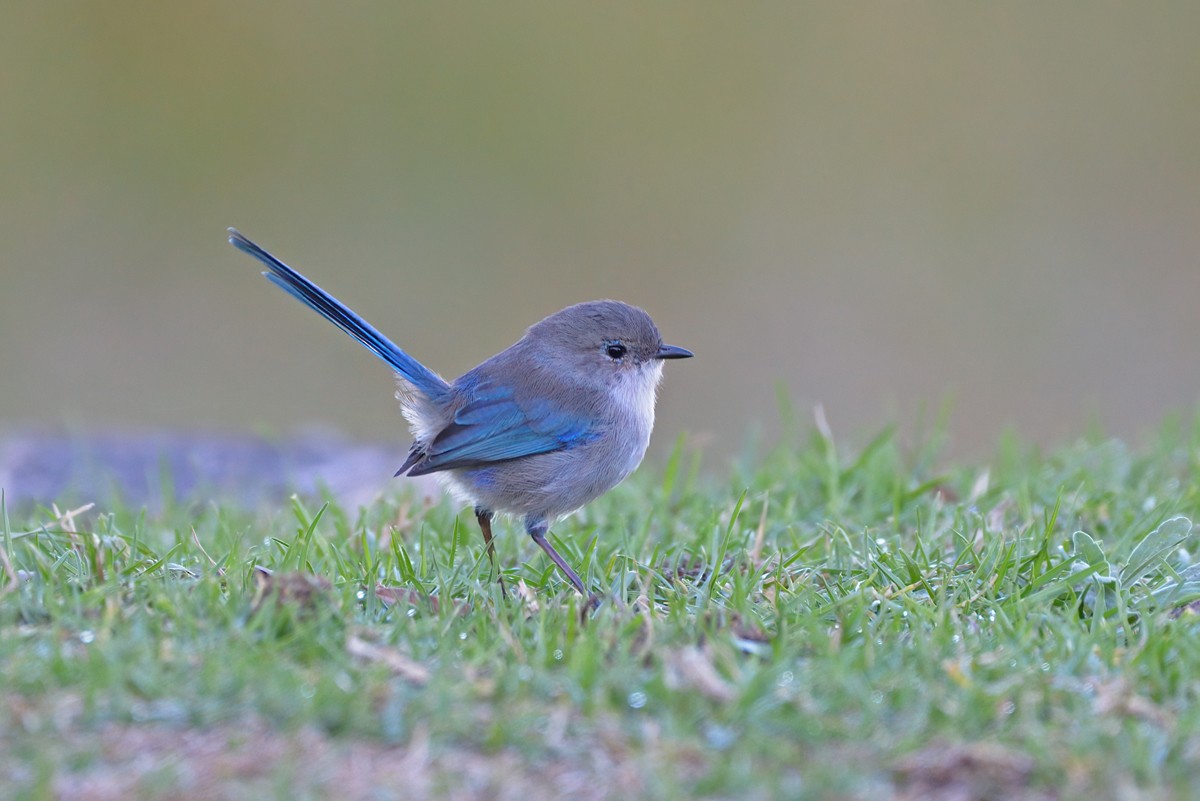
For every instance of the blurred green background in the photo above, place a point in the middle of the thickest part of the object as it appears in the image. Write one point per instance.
(877, 207)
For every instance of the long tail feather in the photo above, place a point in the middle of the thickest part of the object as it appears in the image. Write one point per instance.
(329, 307)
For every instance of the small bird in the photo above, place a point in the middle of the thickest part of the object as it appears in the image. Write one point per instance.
(538, 430)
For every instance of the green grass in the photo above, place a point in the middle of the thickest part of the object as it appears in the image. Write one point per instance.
(820, 624)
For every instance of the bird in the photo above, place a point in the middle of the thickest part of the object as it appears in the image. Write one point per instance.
(537, 431)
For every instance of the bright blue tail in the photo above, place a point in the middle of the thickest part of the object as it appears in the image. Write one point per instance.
(332, 309)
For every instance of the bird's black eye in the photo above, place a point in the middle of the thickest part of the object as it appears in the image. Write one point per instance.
(615, 350)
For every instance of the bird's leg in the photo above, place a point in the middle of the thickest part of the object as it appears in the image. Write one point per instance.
(485, 525)
(537, 529)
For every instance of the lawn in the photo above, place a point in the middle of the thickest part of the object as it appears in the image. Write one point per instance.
(820, 621)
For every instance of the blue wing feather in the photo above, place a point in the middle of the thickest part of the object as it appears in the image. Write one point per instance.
(494, 427)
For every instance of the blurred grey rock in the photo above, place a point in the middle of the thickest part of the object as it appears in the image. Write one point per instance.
(146, 468)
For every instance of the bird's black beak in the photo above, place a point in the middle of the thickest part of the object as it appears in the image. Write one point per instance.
(672, 352)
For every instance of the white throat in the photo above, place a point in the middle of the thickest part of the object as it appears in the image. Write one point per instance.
(635, 392)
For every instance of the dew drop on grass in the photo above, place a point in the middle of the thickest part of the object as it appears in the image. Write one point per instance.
(877, 697)
(412, 612)
(785, 678)
(719, 737)
(462, 635)
(361, 595)
(558, 654)
(1045, 667)
(87, 636)
(637, 699)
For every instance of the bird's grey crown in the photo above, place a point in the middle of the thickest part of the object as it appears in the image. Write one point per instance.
(594, 323)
